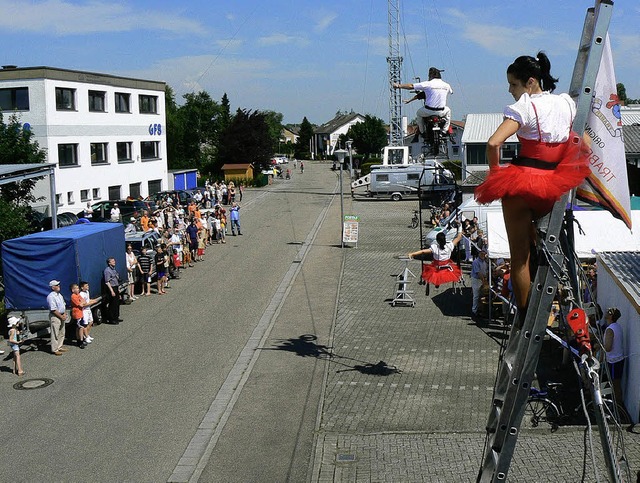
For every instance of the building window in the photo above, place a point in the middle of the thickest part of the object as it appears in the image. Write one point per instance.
(70, 199)
(122, 102)
(155, 186)
(65, 99)
(134, 190)
(59, 199)
(508, 152)
(84, 195)
(14, 99)
(124, 151)
(148, 104)
(97, 101)
(99, 153)
(149, 149)
(67, 155)
(95, 192)
(477, 154)
(114, 192)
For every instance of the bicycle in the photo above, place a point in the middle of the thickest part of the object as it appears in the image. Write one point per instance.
(545, 406)
(415, 220)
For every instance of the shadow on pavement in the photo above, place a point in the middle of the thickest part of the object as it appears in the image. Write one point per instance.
(306, 346)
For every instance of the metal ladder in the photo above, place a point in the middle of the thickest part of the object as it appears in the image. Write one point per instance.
(517, 367)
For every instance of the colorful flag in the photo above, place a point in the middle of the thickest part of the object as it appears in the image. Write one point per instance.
(607, 184)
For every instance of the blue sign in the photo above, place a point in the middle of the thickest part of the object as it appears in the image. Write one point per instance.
(155, 129)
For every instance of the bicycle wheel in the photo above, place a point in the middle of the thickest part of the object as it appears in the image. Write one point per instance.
(614, 412)
(540, 410)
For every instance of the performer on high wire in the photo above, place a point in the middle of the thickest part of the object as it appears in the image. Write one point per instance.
(442, 269)
(552, 160)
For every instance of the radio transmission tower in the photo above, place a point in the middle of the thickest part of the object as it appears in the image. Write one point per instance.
(395, 71)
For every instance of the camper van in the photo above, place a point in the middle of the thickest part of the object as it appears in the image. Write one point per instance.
(398, 182)
(467, 210)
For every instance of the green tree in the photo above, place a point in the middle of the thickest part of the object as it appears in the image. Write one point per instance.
(622, 92)
(199, 119)
(274, 122)
(246, 140)
(369, 136)
(304, 138)
(224, 118)
(17, 147)
(174, 130)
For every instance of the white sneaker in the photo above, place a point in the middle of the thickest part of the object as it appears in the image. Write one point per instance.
(88, 340)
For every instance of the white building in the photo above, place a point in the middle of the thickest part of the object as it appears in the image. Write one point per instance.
(105, 133)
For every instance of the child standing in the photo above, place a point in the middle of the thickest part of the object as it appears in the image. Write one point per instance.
(77, 304)
(86, 309)
(15, 339)
(202, 236)
(223, 225)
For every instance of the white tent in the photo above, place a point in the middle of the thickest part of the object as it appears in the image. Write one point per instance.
(602, 233)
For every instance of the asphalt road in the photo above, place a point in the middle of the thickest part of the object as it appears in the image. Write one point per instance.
(128, 407)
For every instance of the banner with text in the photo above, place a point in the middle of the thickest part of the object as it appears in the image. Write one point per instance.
(607, 184)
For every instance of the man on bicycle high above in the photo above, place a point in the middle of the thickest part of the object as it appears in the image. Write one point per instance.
(435, 103)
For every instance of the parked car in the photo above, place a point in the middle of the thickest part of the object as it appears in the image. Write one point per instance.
(102, 210)
(183, 196)
(64, 219)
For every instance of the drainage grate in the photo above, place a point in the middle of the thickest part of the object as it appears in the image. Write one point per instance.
(33, 384)
(345, 458)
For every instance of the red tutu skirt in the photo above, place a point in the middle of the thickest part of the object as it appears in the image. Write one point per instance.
(441, 272)
(540, 188)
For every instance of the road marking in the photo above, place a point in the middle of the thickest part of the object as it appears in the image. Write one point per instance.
(196, 456)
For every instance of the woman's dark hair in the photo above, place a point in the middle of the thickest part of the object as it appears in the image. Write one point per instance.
(441, 239)
(614, 313)
(539, 68)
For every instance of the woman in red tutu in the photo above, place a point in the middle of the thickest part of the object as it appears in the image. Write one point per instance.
(552, 160)
(442, 269)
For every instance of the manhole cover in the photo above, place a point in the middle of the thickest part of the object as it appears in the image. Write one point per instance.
(345, 458)
(33, 384)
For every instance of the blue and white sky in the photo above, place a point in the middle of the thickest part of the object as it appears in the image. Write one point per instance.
(310, 58)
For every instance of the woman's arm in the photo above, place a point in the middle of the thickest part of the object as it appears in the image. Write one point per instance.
(457, 239)
(426, 251)
(507, 129)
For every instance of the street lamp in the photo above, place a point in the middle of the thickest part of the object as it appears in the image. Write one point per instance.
(349, 143)
(340, 154)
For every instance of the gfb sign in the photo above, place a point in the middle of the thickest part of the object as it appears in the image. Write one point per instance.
(155, 129)
(350, 229)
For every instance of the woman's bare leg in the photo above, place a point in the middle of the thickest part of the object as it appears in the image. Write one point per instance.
(518, 219)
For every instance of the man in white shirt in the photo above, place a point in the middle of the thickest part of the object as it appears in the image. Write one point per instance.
(115, 212)
(435, 104)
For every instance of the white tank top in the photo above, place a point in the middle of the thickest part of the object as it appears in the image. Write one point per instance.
(616, 354)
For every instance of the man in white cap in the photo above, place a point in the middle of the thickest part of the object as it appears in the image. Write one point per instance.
(115, 213)
(57, 318)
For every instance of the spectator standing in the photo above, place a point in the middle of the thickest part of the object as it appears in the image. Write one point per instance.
(614, 349)
(57, 318)
(192, 240)
(77, 303)
(144, 220)
(132, 269)
(115, 213)
(161, 269)
(86, 308)
(112, 296)
(222, 231)
(145, 263)
(15, 339)
(241, 188)
(176, 243)
(234, 214)
(88, 211)
(479, 278)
